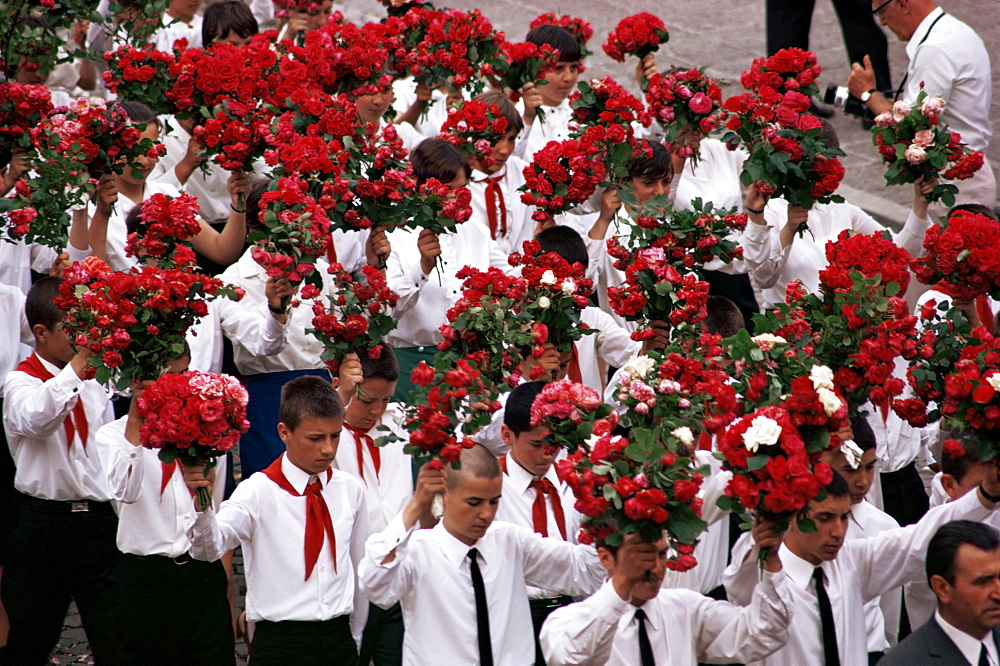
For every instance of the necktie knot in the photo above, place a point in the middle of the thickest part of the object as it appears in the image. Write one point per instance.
(543, 485)
(640, 615)
(818, 575)
(473, 553)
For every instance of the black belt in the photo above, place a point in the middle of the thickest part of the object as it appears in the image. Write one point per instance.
(905, 471)
(63, 506)
(550, 602)
(179, 560)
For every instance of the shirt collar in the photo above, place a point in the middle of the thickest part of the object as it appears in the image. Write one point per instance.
(300, 478)
(969, 646)
(798, 569)
(246, 267)
(48, 366)
(651, 618)
(482, 177)
(921, 31)
(455, 551)
(520, 478)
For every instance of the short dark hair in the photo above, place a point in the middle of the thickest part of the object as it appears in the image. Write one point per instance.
(506, 108)
(659, 164)
(255, 221)
(138, 113)
(864, 436)
(838, 486)
(517, 410)
(439, 159)
(724, 316)
(40, 306)
(476, 461)
(566, 242)
(308, 396)
(558, 38)
(384, 367)
(959, 466)
(978, 209)
(943, 547)
(227, 16)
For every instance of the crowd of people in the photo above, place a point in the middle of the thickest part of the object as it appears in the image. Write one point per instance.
(347, 556)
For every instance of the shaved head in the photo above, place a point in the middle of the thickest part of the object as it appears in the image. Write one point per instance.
(476, 461)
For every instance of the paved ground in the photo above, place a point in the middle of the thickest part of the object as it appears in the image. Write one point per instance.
(725, 37)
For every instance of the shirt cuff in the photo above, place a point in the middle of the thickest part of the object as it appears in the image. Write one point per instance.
(608, 605)
(756, 232)
(394, 537)
(67, 381)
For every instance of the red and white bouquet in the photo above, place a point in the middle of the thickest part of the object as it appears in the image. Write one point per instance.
(358, 317)
(914, 143)
(561, 176)
(133, 322)
(688, 105)
(193, 417)
(639, 487)
(788, 69)
(960, 253)
(141, 75)
(637, 35)
(474, 127)
(571, 413)
(165, 224)
(22, 107)
(577, 27)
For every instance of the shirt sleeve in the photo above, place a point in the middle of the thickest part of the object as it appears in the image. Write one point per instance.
(385, 583)
(614, 345)
(403, 272)
(254, 327)
(214, 534)
(358, 533)
(763, 255)
(35, 409)
(554, 564)
(741, 576)
(124, 466)
(584, 632)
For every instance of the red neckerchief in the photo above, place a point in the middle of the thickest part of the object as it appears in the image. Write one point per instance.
(539, 520)
(983, 308)
(362, 439)
(494, 195)
(574, 366)
(76, 420)
(318, 519)
(331, 252)
(167, 471)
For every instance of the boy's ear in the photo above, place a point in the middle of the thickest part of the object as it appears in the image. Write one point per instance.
(284, 432)
(950, 485)
(336, 381)
(507, 435)
(40, 331)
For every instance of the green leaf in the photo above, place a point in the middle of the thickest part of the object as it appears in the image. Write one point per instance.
(757, 462)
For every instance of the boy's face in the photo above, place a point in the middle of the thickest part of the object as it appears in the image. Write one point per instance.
(858, 480)
(371, 108)
(561, 83)
(369, 403)
(646, 187)
(186, 9)
(502, 149)
(529, 449)
(831, 517)
(144, 163)
(53, 343)
(234, 40)
(312, 446)
(470, 508)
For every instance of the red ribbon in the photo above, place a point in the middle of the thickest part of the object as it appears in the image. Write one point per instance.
(494, 195)
(318, 519)
(76, 420)
(362, 439)
(574, 366)
(539, 520)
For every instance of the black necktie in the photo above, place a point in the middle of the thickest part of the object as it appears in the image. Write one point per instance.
(645, 649)
(826, 619)
(482, 611)
(984, 658)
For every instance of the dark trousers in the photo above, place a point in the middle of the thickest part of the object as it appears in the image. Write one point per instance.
(58, 555)
(541, 609)
(304, 643)
(903, 495)
(174, 611)
(382, 642)
(10, 499)
(788, 23)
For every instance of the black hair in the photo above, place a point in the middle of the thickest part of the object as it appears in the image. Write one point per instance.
(506, 108)
(40, 306)
(384, 367)
(558, 38)
(943, 547)
(828, 134)
(254, 217)
(138, 113)
(658, 165)
(517, 410)
(959, 466)
(838, 486)
(308, 396)
(439, 159)
(864, 436)
(978, 209)
(227, 16)
(724, 316)
(566, 242)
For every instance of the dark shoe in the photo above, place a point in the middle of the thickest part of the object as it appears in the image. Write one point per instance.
(818, 109)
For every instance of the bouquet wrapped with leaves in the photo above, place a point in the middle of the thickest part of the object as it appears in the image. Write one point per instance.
(971, 399)
(22, 107)
(606, 116)
(914, 143)
(637, 35)
(523, 63)
(133, 322)
(165, 224)
(960, 257)
(577, 27)
(358, 317)
(561, 176)
(789, 69)
(193, 417)
(571, 413)
(688, 105)
(474, 127)
(141, 74)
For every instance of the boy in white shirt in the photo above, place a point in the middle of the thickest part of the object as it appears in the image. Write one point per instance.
(307, 609)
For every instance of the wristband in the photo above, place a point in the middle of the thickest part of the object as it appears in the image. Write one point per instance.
(991, 498)
(237, 210)
(277, 311)
(754, 211)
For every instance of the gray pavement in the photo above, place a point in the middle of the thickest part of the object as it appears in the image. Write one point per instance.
(724, 37)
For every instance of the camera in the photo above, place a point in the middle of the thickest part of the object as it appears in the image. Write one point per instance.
(838, 97)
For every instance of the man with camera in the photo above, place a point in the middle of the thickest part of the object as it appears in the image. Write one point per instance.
(949, 59)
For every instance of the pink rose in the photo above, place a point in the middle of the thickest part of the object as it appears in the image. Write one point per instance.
(915, 154)
(932, 106)
(923, 138)
(885, 120)
(900, 110)
(700, 103)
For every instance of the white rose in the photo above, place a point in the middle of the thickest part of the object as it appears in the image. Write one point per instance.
(822, 377)
(684, 434)
(831, 403)
(767, 341)
(994, 381)
(568, 287)
(762, 431)
(852, 452)
(548, 278)
(638, 367)
(544, 302)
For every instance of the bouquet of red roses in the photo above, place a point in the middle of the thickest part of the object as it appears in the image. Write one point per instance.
(637, 35)
(605, 102)
(577, 27)
(166, 223)
(310, 138)
(22, 107)
(765, 364)
(561, 176)
(133, 322)
(913, 143)
(235, 136)
(474, 127)
(571, 413)
(688, 105)
(193, 417)
(788, 69)
(358, 317)
(439, 208)
(523, 63)
(282, 7)
(298, 232)
(972, 398)
(141, 75)
(960, 253)
(637, 487)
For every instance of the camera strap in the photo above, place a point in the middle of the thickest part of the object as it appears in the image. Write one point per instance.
(902, 85)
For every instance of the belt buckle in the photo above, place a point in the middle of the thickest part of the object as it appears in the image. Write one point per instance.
(79, 507)
(181, 560)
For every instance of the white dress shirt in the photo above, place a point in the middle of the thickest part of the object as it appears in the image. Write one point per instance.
(772, 267)
(171, 30)
(520, 226)
(716, 179)
(684, 627)
(16, 338)
(270, 523)
(33, 415)
(387, 492)
(117, 236)
(251, 325)
(150, 522)
(897, 443)
(427, 126)
(969, 646)
(862, 570)
(555, 127)
(881, 613)
(18, 259)
(611, 344)
(430, 577)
